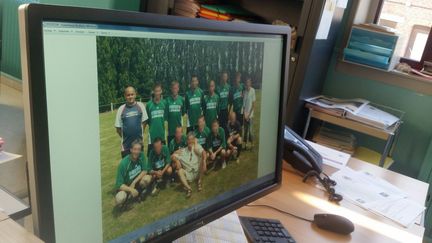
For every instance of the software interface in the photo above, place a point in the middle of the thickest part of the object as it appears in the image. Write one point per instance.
(151, 128)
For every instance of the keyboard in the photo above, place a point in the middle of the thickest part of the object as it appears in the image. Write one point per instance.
(265, 230)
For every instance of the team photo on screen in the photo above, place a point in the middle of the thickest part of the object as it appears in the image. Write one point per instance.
(179, 124)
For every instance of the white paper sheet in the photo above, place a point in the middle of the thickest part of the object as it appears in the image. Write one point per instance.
(6, 157)
(403, 211)
(331, 157)
(377, 195)
(224, 230)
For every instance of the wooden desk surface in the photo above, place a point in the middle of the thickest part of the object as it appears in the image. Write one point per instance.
(11, 231)
(306, 200)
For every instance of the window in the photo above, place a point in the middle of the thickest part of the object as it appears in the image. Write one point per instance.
(412, 21)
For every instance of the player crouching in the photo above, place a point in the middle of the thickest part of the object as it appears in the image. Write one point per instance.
(217, 145)
(189, 163)
(234, 140)
(160, 160)
(133, 176)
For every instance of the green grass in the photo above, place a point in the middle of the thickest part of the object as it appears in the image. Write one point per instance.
(169, 200)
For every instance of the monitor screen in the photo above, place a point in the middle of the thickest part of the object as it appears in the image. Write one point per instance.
(153, 128)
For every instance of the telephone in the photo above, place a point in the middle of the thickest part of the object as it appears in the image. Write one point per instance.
(300, 154)
(307, 160)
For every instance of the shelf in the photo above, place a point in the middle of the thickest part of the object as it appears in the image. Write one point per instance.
(287, 11)
(354, 125)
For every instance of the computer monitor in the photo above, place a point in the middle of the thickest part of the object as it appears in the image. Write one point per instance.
(101, 104)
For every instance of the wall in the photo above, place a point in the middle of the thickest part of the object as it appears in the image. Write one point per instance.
(416, 132)
(10, 62)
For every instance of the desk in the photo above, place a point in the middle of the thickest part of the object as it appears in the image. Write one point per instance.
(13, 206)
(385, 134)
(305, 199)
(10, 231)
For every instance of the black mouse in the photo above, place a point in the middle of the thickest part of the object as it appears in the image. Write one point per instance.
(334, 223)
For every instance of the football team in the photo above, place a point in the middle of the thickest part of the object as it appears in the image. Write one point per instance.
(219, 126)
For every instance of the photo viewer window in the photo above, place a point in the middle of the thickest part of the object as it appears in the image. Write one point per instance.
(177, 123)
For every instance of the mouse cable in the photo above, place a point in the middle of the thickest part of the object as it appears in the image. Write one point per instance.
(279, 210)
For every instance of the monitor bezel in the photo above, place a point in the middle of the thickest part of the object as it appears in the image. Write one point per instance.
(32, 16)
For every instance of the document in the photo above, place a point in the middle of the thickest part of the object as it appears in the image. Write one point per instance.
(403, 211)
(6, 157)
(227, 229)
(331, 157)
(376, 195)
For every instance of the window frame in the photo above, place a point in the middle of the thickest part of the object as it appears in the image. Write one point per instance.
(427, 52)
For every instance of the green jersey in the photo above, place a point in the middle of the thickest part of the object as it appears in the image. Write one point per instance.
(216, 141)
(159, 161)
(128, 170)
(236, 98)
(202, 137)
(156, 119)
(194, 102)
(223, 92)
(211, 108)
(174, 145)
(175, 111)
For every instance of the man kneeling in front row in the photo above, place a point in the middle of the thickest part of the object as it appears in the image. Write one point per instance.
(189, 163)
(160, 160)
(132, 174)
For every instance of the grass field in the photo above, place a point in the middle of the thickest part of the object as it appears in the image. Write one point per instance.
(172, 199)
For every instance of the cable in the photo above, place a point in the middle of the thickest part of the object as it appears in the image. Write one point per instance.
(279, 210)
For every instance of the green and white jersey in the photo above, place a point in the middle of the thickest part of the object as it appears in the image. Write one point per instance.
(223, 92)
(211, 108)
(159, 161)
(236, 98)
(156, 119)
(194, 101)
(128, 169)
(174, 145)
(216, 141)
(202, 136)
(175, 109)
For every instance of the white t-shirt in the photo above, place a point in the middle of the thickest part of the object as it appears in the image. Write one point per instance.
(118, 121)
(190, 160)
(248, 99)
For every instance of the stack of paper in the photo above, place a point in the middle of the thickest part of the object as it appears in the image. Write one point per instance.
(336, 139)
(376, 195)
(6, 157)
(331, 157)
(227, 229)
(355, 109)
(375, 117)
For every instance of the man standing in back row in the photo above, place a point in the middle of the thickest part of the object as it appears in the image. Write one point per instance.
(157, 116)
(236, 98)
(248, 111)
(194, 101)
(211, 103)
(175, 110)
(223, 92)
(130, 120)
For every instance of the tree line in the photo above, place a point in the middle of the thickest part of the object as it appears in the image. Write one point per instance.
(142, 62)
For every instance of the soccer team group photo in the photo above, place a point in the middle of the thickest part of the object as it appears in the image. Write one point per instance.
(179, 124)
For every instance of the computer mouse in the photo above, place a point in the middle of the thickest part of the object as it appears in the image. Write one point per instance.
(334, 223)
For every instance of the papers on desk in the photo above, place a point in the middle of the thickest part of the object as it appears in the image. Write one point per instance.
(331, 157)
(6, 157)
(376, 195)
(224, 230)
